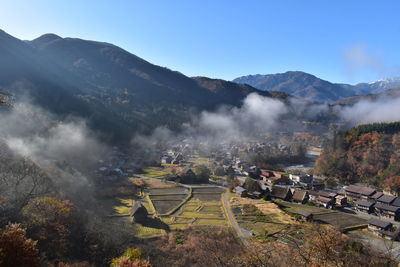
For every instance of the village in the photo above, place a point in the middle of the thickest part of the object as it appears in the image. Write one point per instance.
(188, 185)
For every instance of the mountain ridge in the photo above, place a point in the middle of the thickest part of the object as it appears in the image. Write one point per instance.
(304, 85)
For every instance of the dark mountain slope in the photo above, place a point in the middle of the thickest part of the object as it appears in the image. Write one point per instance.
(116, 91)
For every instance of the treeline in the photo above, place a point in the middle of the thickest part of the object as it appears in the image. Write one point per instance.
(387, 128)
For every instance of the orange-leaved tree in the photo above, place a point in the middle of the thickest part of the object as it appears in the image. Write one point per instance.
(16, 249)
(49, 221)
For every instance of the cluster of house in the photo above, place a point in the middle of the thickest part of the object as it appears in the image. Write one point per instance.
(117, 164)
(374, 202)
(383, 229)
(172, 158)
(296, 188)
(321, 198)
(363, 199)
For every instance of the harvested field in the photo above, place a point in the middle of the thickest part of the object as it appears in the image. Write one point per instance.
(170, 190)
(153, 183)
(339, 219)
(163, 206)
(207, 196)
(210, 208)
(262, 218)
(141, 231)
(155, 172)
(198, 213)
(169, 197)
(266, 207)
(295, 207)
(208, 190)
(211, 221)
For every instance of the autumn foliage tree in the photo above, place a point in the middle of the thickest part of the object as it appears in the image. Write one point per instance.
(393, 184)
(368, 153)
(132, 257)
(49, 221)
(16, 249)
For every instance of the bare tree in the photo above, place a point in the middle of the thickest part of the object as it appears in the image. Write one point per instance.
(20, 181)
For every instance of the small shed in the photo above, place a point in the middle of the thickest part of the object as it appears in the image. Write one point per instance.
(305, 216)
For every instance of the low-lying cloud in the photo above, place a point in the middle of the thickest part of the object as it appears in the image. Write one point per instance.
(35, 133)
(383, 109)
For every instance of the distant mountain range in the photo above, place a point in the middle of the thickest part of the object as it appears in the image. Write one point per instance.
(307, 86)
(116, 91)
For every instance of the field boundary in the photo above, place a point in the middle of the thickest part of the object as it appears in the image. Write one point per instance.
(178, 206)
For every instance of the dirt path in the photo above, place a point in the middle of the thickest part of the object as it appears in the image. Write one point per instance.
(232, 219)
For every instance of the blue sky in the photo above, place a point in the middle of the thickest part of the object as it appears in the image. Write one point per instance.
(341, 40)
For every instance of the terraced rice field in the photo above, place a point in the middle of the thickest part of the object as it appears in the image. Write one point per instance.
(165, 200)
(207, 193)
(155, 172)
(208, 190)
(144, 232)
(262, 219)
(170, 190)
(169, 197)
(197, 212)
(164, 206)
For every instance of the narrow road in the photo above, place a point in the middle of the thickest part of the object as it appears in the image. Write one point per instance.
(232, 219)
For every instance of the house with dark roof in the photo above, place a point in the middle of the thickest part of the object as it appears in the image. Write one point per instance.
(300, 196)
(281, 192)
(354, 192)
(386, 199)
(375, 196)
(376, 226)
(327, 194)
(325, 202)
(364, 206)
(388, 211)
(396, 202)
(391, 234)
(138, 212)
(279, 180)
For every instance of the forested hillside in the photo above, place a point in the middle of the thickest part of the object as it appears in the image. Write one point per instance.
(367, 153)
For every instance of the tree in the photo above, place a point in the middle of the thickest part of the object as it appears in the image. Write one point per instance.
(17, 250)
(392, 184)
(50, 221)
(220, 171)
(202, 173)
(132, 257)
(251, 185)
(20, 181)
(232, 183)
